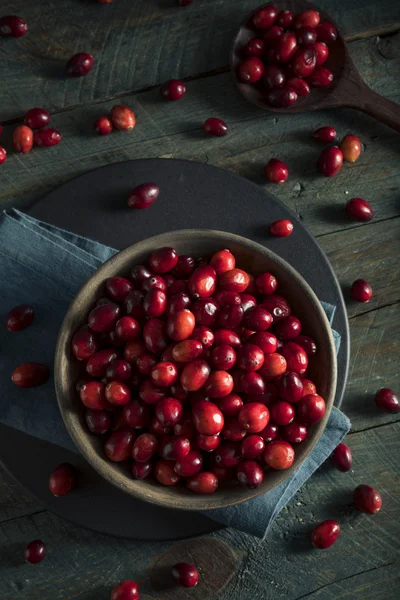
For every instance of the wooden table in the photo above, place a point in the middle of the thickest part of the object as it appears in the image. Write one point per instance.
(137, 45)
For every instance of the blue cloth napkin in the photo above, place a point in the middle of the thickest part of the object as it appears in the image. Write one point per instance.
(45, 266)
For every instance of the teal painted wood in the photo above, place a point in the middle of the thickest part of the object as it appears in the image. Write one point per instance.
(136, 44)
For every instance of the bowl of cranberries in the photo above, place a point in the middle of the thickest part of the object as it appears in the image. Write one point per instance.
(195, 370)
(287, 56)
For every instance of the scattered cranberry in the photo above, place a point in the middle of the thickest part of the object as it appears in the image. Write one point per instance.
(79, 65)
(367, 499)
(361, 291)
(325, 135)
(36, 118)
(250, 473)
(29, 375)
(174, 89)
(279, 455)
(35, 552)
(126, 590)
(23, 139)
(122, 117)
(276, 171)
(20, 317)
(387, 400)
(143, 195)
(330, 161)
(103, 126)
(13, 26)
(185, 574)
(310, 409)
(325, 534)
(359, 209)
(326, 32)
(216, 127)
(47, 137)
(62, 480)
(250, 70)
(3, 155)
(342, 458)
(281, 228)
(350, 147)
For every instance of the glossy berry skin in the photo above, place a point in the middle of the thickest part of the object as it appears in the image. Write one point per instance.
(216, 127)
(155, 336)
(325, 135)
(265, 17)
(359, 209)
(279, 455)
(250, 357)
(306, 36)
(3, 155)
(228, 455)
(254, 47)
(164, 473)
(273, 77)
(126, 590)
(330, 161)
(141, 470)
(274, 365)
(361, 291)
(20, 317)
(252, 383)
(187, 350)
(288, 328)
(185, 575)
(203, 483)
(194, 375)
(272, 34)
(117, 393)
(250, 70)
(143, 196)
(79, 65)
(342, 458)
(28, 375)
(12, 26)
(291, 388)
(98, 421)
(119, 445)
(207, 417)
(308, 18)
(202, 282)
(325, 534)
(269, 432)
(98, 362)
(265, 340)
(252, 446)
(230, 405)
(47, 137)
(266, 283)
(144, 447)
(62, 480)
(308, 387)
(235, 280)
(103, 317)
(92, 395)
(223, 357)
(367, 499)
(174, 89)
(249, 473)
(310, 409)
(22, 139)
(285, 19)
(321, 77)
(304, 62)
(190, 464)
(169, 411)
(103, 126)
(123, 117)
(253, 417)
(219, 384)
(281, 97)
(36, 118)
(207, 443)
(163, 260)
(35, 552)
(180, 325)
(387, 400)
(322, 53)
(300, 86)
(326, 32)
(285, 47)
(276, 171)
(118, 288)
(282, 413)
(307, 343)
(294, 433)
(281, 228)
(351, 148)
(227, 336)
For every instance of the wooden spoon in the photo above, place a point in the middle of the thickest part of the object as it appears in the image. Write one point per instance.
(348, 88)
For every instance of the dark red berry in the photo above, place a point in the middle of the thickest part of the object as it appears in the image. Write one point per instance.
(250, 70)
(80, 64)
(126, 590)
(361, 291)
(185, 574)
(103, 126)
(387, 400)
(174, 89)
(143, 196)
(35, 552)
(326, 32)
(342, 457)
(47, 137)
(13, 26)
(330, 161)
(30, 375)
(281, 97)
(62, 480)
(367, 499)
(359, 209)
(281, 228)
(36, 118)
(215, 127)
(325, 135)
(20, 317)
(325, 534)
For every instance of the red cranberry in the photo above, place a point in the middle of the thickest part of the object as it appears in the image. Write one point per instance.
(224, 298)
(307, 343)
(285, 19)
(169, 411)
(330, 161)
(273, 77)
(326, 32)
(80, 64)
(250, 70)
(185, 574)
(274, 365)
(230, 316)
(222, 473)
(361, 291)
(265, 17)
(144, 448)
(118, 288)
(223, 261)
(123, 118)
(117, 393)
(230, 405)
(202, 282)
(36, 118)
(309, 387)
(155, 282)
(254, 47)
(184, 267)
(351, 148)
(296, 358)
(133, 350)
(252, 383)
(277, 305)
(13, 26)
(235, 280)
(269, 432)
(279, 455)
(288, 328)
(92, 395)
(190, 464)
(35, 552)
(282, 413)
(325, 534)
(216, 127)
(133, 305)
(127, 329)
(180, 325)
(155, 303)
(155, 336)
(252, 446)
(62, 480)
(321, 77)
(163, 260)
(136, 414)
(387, 400)
(291, 388)
(300, 86)
(205, 311)
(149, 393)
(322, 53)
(20, 317)
(285, 47)
(294, 433)
(143, 196)
(177, 302)
(250, 473)
(223, 357)
(272, 34)
(164, 374)
(3, 155)
(253, 417)
(126, 590)
(257, 319)
(187, 351)
(30, 374)
(304, 62)
(359, 209)
(219, 384)
(306, 36)
(97, 421)
(174, 89)
(281, 228)
(250, 357)
(267, 397)
(266, 341)
(203, 483)
(158, 428)
(195, 375)
(103, 317)
(367, 499)
(207, 443)
(185, 427)
(342, 458)
(281, 97)
(164, 473)
(23, 139)
(119, 370)
(118, 447)
(232, 430)
(325, 135)
(228, 455)
(308, 18)
(226, 336)
(310, 409)
(141, 470)
(47, 137)
(247, 301)
(103, 126)
(140, 273)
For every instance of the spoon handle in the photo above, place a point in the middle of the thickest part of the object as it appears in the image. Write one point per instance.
(382, 109)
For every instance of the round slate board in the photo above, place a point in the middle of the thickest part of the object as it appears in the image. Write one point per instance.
(193, 195)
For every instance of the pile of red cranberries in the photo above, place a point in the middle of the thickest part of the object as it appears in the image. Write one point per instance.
(195, 370)
(287, 54)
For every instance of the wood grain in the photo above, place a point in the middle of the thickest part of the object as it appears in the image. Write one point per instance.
(135, 44)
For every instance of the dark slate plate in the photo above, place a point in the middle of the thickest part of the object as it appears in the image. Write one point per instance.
(192, 195)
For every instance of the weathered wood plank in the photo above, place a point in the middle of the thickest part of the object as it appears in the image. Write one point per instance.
(136, 45)
(86, 565)
(14, 501)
